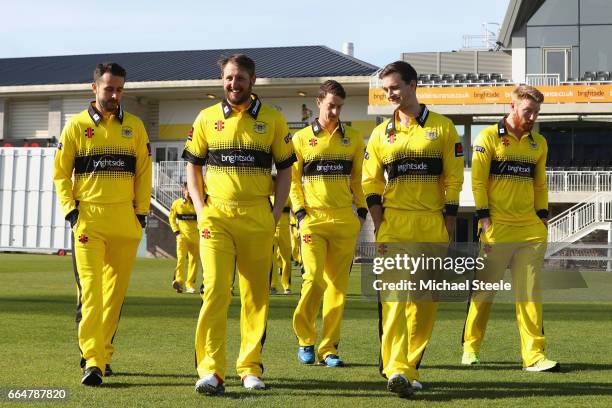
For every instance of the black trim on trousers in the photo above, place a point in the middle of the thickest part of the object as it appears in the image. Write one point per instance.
(78, 313)
(380, 334)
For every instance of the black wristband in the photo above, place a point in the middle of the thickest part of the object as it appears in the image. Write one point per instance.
(72, 217)
(300, 214)
(483, 213)
(362, 212)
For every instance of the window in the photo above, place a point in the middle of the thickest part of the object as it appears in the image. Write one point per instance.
(557, 61)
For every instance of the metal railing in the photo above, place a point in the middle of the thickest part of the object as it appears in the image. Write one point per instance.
(575, 220)
(167, 179)
(579, 181)
(542, 79)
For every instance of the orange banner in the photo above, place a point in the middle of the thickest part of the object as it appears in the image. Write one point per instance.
(479, 95)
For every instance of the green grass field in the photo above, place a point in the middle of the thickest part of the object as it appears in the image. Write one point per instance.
(154, 361)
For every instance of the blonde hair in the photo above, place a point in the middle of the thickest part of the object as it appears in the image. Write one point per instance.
(527, 92)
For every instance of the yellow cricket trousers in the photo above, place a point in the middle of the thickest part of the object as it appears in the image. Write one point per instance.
(522, 248)
(234, 235)
(406, 326)
(187, 247)
(106, 239)
(327, 247)
(283, 250)
(295, 244)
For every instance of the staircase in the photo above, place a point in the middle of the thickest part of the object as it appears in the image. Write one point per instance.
(594, 213)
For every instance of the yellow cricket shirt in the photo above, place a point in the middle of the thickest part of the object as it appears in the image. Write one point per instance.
(330, 168)
(238, 149)
(109, 159)
(418, 167)
(509, 176)
(183, 217)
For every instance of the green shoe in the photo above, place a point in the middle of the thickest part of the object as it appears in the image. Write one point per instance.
(544, 364)
(470, 358)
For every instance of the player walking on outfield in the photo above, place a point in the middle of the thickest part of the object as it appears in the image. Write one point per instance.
(238, 139)
(420, 153)
(184, 224)
(329, 159)
(509, 185)
(103, 180)
(281, 253)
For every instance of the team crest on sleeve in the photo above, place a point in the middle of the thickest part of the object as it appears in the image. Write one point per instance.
(127, 132)
(190, 134)
(288, 137)
(219, 125)
(366, 155)
(260, 127)
(431, 134)
(59, 146)
(479, 149)
(458, 150)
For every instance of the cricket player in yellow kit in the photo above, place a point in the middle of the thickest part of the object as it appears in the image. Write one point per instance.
(420, 154)
(103, 179)
(326, 182)
(237, 139)
(511, 196)
(183, 222)
(281, 255)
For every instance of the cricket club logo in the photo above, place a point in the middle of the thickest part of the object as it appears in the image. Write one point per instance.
(83, 239)
(307, 239)
(391, 137)
(206, 233)
(260, 127)
(190, 134)
(382, 249)
(89, 132)
(219, 125)
(312, 142)
(506, 142)
(345, 141)
(431, 135)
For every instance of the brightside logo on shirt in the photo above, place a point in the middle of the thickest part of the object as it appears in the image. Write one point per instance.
(406, 167)
(239, 158)
(109, 163)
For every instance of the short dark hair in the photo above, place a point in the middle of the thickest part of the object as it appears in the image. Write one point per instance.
(241, 60)
(406, 71)
(112, 67)
(332, 87)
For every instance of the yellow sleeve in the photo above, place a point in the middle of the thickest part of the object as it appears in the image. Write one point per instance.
(172, 217)
(373, 177)
(282, 148)
(452, 170)
(63, 169)
(481, 166)
(540, 188)
(296, 194)
(196, 146)
(356, 172)
(143, 179)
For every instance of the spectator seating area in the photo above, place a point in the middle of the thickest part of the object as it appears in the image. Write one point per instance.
(463, 78)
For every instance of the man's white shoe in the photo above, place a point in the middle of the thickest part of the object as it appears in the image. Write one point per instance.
(190, 290)
(416, 385)
(251, 382)
(210, 384)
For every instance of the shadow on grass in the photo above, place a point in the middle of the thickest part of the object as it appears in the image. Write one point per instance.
(510, 365)
(154, 375)
(445, 391)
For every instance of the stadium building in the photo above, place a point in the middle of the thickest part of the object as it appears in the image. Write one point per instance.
(560, 46)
